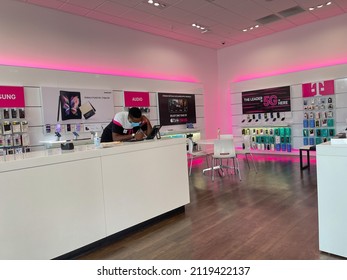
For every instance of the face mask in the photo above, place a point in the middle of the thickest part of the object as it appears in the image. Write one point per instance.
(135, 124)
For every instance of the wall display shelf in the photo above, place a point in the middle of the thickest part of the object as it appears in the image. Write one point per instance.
(319, 119)
(267, 119)
(271, 138)
(14, 137)
(189, 132)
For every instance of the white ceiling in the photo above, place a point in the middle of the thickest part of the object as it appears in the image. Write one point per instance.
(225, 19)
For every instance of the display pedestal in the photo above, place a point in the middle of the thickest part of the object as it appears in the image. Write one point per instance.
(332, 196)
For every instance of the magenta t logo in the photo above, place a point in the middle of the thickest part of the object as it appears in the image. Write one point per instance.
(318, 88)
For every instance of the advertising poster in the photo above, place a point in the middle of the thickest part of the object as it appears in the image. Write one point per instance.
(176, 108)
(12, 97)
(61, 105)
(266, 100)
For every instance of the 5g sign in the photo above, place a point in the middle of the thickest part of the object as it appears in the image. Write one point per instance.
(266, 100)
(270, 100)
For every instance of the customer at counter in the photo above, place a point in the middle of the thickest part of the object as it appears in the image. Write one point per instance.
(127, 125)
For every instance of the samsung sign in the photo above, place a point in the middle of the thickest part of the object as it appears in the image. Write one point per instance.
(11, 97)
(6, 96)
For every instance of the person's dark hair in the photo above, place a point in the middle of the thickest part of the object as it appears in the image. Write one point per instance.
(135, 112)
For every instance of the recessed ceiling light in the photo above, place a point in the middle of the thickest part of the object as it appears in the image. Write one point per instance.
(156, 4)
(250, 28)
(320, 6)
(203, 29)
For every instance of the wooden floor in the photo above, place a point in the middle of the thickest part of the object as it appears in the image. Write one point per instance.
(271, 215)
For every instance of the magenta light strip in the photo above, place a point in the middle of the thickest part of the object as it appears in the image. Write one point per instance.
(265, 158)
(290, 70)
(96, 71)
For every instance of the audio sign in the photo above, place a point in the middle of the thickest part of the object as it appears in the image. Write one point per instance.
(11, 97)
(136, 99)
(266, 100)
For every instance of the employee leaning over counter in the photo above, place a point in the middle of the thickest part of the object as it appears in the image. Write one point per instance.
(126, 126)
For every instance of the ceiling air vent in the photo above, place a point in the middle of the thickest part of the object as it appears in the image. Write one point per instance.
(268, 19)
(291, 11)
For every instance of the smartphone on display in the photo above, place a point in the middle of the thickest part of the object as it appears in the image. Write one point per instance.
(21, 113)
(14, 113)
(68, 127)
(48, 128)
(6, 114)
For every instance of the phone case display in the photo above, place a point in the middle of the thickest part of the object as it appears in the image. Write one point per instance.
(319, 119)
(14, 129)
(270, 138)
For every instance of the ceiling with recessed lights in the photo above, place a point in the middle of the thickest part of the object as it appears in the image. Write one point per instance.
(210, 23)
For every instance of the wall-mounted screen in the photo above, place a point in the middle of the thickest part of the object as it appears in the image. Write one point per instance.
(176, 108)
(266, 100)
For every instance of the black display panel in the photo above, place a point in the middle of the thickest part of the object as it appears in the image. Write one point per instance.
(266, 100)
(176, 108)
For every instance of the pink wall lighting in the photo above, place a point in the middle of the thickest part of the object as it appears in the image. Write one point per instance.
(290, 70)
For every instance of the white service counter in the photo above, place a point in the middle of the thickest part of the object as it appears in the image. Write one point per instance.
(53, 202)
(332, 198)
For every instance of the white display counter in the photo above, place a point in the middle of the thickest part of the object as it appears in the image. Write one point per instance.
(332, 198)
(53, 202)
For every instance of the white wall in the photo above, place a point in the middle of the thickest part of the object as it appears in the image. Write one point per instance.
(313, 52)
(42, 38)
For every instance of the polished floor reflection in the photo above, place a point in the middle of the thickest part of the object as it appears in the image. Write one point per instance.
(271, 215)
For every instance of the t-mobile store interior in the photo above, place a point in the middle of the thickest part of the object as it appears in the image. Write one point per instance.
(248, 149)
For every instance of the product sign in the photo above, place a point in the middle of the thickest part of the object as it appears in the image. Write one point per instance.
(77, 105)
(318, 88)
(176, 108)
(136, 99)
(266, 100)
(12, 97)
